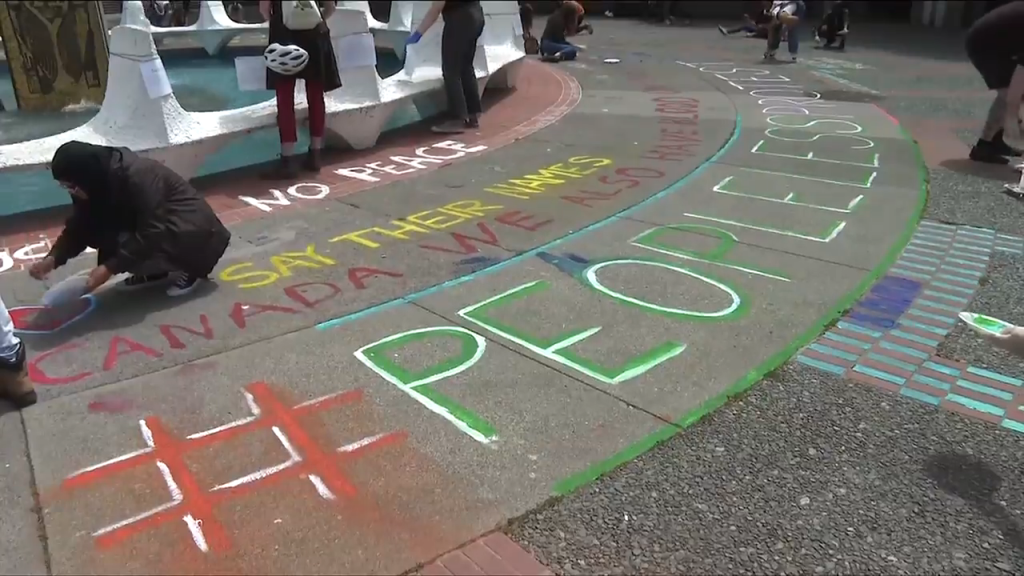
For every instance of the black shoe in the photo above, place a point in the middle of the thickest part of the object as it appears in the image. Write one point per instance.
(138, 281)
(184, 285)
(285, 169)
(1002, 147)
(15, 386)
(450, 127)
(312, 162)
(472, 123)
(986, 151)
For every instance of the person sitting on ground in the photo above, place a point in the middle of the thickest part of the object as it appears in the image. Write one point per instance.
(834, 26)
(562, 24)
(994, 47)
(756, 27)
(141, 217)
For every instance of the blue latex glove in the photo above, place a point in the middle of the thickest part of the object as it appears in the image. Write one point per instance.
(413, 38)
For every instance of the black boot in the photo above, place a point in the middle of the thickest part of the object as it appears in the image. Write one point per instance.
(312, 162)
(986, 151)
(15, 386)
(285, 169)
(1002, 147)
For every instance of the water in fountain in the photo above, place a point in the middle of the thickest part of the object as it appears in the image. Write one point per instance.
(201, 83)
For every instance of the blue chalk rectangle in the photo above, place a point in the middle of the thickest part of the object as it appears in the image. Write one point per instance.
(814, 363)
(967, 263)
(942, 368)
(1012, 425)
(915, 338)
(903, 350)
(995, 376)
(1005, 396)
(936, 317)
(879, 374)
(938, 305)
(921, 258)
(909, 274)
(925, 250)
(902, 262)
(977, 257)
(946, 296)
(1010, 250)
(978, 232)
(845, 340)
(925, 327)
(954, 288)
(892, 361)
(975, 405)
(916, 242)
(929, 381)
(918, 395)
(965, 280)
(858, 329)
(833, 352)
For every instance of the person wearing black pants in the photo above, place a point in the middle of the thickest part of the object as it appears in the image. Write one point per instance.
(463, 25)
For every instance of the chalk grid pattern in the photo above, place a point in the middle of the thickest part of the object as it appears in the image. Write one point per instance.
(949, 262)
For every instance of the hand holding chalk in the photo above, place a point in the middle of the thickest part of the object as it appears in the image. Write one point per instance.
(1010, 339)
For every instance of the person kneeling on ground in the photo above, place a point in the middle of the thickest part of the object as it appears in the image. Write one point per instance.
(141, 217)
(563, 22)
(834, 26)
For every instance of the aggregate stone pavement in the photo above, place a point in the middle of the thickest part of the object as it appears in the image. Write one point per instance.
(808, 473)
(805, 474)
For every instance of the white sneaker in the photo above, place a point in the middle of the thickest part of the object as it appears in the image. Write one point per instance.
(138, 281)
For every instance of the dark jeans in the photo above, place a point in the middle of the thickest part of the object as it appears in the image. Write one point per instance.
(462, 29)
(549, 48)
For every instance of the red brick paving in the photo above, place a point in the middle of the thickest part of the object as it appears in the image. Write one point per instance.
(543, 95)
(492, 555)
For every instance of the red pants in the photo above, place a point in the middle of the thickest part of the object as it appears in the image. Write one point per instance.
(286, 109)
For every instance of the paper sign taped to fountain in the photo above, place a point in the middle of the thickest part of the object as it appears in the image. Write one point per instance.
(56, 52)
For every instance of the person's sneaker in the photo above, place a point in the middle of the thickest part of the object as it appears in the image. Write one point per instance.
(723, 31)
(552, 58)
(792, 57)
(450, 127)
(608, 14)
(987, 152)
(138, 281)
(185, 284)
(472, 123)
(769, 55)
(1002, 147)
(15, 387)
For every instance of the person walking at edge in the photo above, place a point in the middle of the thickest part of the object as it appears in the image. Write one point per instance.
(141, 217)
(320, 74)
(463, 25)
(15, 386)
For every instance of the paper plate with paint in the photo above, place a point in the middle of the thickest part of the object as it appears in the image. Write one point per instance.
(612, 60)
(66, 291)
(984, 324)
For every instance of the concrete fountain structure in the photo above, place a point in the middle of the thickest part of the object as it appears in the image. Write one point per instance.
(141, 112)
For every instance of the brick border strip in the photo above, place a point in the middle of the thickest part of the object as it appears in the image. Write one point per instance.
(493, 555)
(889, 339)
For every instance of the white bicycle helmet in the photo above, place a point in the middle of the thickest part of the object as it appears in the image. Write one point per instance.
(286, 60)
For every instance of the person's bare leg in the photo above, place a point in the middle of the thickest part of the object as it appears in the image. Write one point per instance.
(1011, 109)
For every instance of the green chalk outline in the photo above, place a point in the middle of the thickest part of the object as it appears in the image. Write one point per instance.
(596, 470)
(378, 356)
(651, 239)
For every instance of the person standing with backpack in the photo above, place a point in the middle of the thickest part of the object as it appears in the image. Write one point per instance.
(299, 47)
(463, 25)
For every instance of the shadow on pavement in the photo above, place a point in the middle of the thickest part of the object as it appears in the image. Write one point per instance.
(972, 480)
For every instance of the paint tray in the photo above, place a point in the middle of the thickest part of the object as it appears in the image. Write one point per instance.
(985, 325)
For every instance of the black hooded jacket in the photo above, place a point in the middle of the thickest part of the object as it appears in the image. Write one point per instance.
(137, 210)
